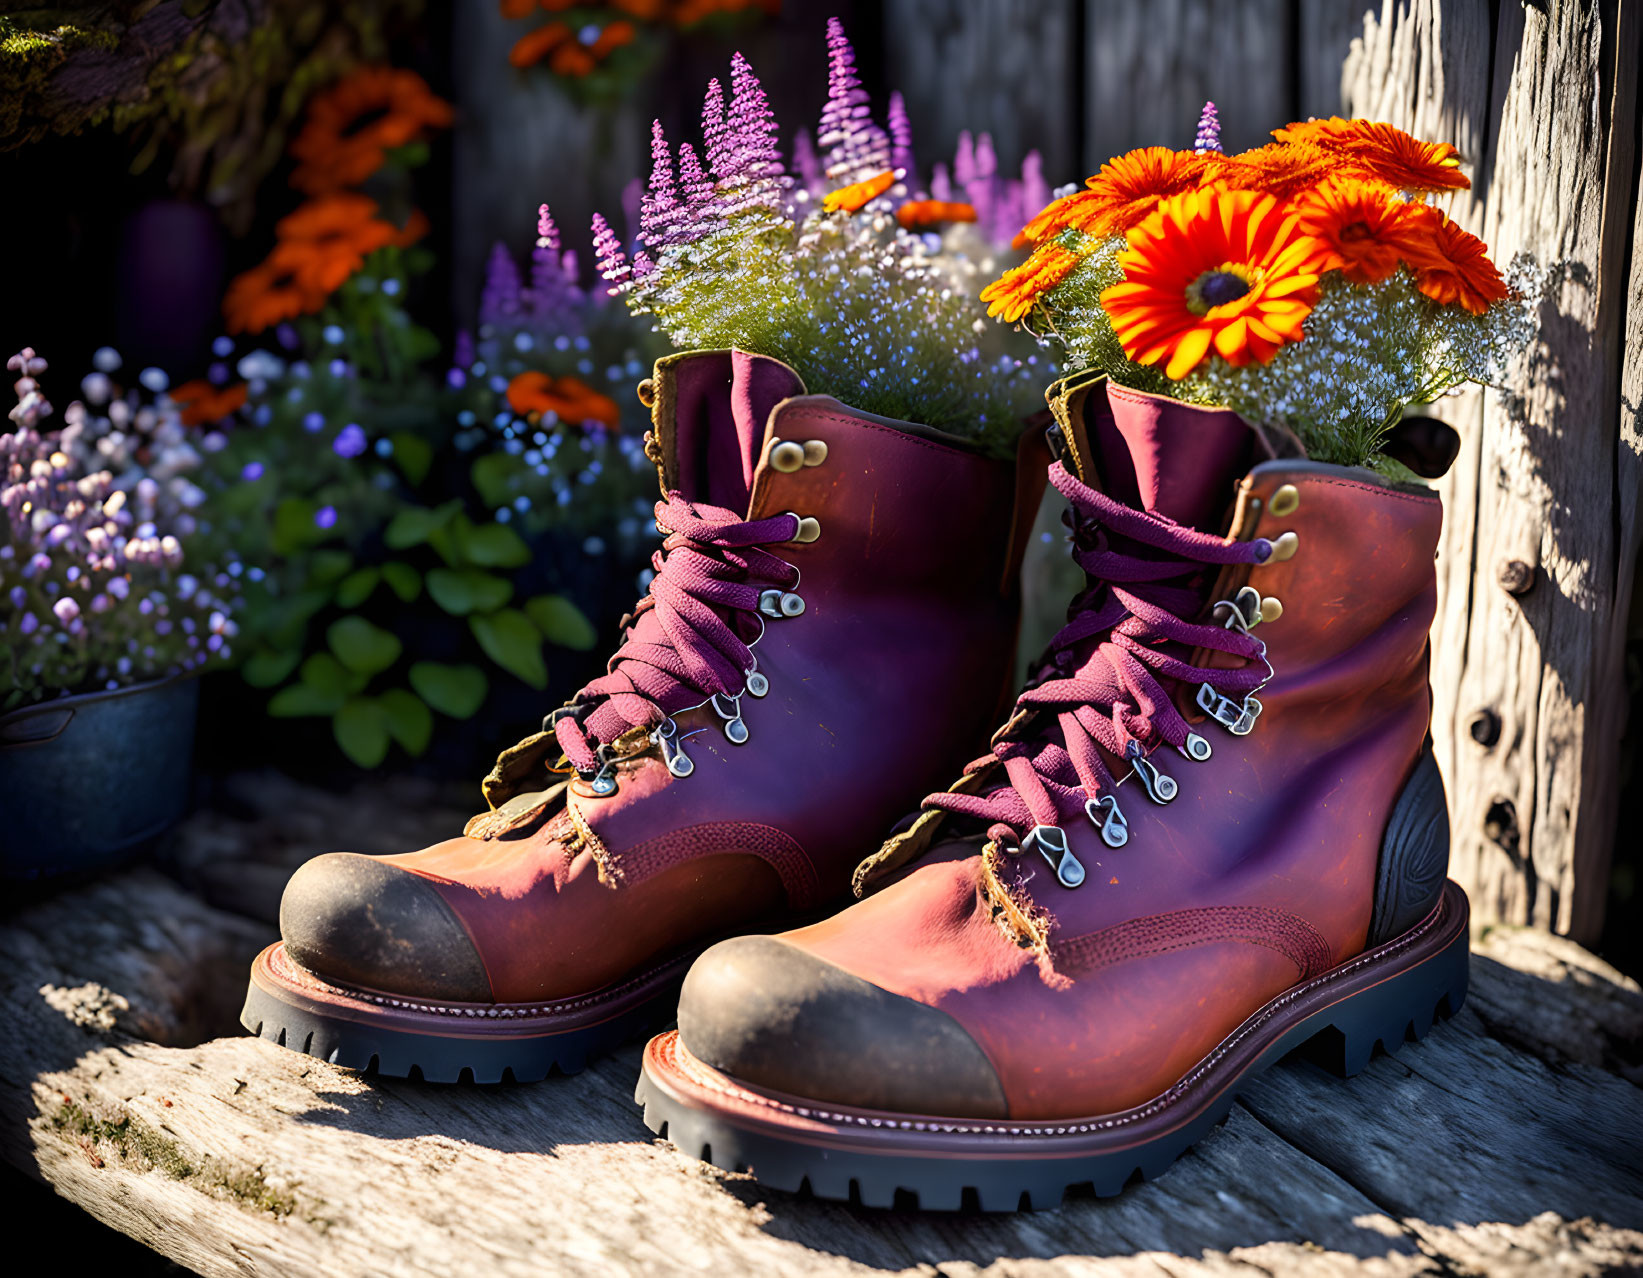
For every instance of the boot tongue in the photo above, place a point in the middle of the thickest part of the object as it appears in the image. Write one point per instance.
(711, 413)
(1176, 460)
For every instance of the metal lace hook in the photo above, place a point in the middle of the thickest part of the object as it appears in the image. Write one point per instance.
(1160, 787)
(1106, 816)
(1050, 841)
(666, 736)
(735, 725)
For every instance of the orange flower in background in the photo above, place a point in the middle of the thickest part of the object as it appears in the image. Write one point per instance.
(569, 398)
(1384, 152)
(1454, 268)
(927, 215)
(1019, 289)
(1126, 190)
(1217, 269)
(857, 194)
(416, 226)
(327, 239)
(1362, 231)
(352, 125)
(565, 51)
(201, 402)
(267, 295)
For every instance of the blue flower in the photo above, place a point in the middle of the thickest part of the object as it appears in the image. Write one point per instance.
(325, 517)
(313, 422)
(252, 472)
(350, 441)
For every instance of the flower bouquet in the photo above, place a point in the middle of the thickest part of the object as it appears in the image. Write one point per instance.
(98, 617)
(1306, 284)
(841, 273)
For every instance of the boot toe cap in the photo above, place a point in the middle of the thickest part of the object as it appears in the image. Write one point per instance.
(359, 920)
(774, 1015)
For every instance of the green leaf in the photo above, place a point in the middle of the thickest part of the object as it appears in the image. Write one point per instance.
(465, 590)
(270, 666)
(562, 622)
(363, 647)
(357, 586)
(361, 729)
(414, 455)
(410, 722)
(415, 524)
(294, 525)
(458, 691)
(297, 700)
(325, 675)
(510, 640)
(403, 580)
(494, 476)
(494, 546)
(327, 566)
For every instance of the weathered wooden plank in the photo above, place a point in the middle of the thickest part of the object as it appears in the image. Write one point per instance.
(1150, 67)
(1324, 34)
(1545, 479)
(1500, 1141)
(1008, 68)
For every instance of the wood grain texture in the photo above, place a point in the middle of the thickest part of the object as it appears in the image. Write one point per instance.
(1509, 1141)
(1150, 67)
(1008, 67)
(1546, 477)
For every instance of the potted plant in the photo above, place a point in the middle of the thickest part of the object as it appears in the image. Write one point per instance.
(101, 623)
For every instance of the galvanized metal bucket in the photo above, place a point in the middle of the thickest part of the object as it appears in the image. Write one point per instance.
(87, 782)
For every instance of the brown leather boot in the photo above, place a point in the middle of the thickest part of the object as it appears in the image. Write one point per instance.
(1211, 831)
(832, 622)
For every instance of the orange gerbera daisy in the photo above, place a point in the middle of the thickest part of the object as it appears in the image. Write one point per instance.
(857, 194)
(1214, 268)
(327, 239)
(352, 125)
(1454, 267)
(569, 398)
(926, 215)
(1385, 152)
(1019, 289)
(202, 402)
(1279, 168)
(266, 295)
(1362, 231)
(1126, 190)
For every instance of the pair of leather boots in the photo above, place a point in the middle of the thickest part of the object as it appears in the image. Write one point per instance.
(1210, 829)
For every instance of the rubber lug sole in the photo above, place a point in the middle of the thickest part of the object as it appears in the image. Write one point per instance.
(1381, 999)
(452, 1044)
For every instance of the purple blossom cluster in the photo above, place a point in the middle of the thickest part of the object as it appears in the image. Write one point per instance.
(552, 298)
(1209, 130)
(91, 589)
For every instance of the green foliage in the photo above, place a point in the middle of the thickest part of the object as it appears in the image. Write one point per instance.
(510, 639)
(562, 622)
(457, 691)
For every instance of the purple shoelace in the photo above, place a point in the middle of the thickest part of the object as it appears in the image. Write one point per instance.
(683, 644)
(1102, 675)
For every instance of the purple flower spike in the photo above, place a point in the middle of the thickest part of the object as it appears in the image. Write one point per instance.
(462, 356)
(964, 161)
(941, 186)
(660, 211)
(1035, 191)
(499, 301)
(550, 291)
(698, 204)
(901, 135)
(715, 137)
(609, 260)
(752, 169)
(547, 234)
(1209, 130)
(807, 164)
(855, 147)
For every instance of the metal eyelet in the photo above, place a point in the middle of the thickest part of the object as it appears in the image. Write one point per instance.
(786, 455)
(1284, 500)
(779, 604)
(809, 528)
(815, 452)
(1106, 816)
(1284, 547)
(1160, 786)
(1237, 718)
(1195, 748)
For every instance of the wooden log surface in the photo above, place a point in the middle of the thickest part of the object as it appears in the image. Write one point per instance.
(1509, 1141)
(1541, 524)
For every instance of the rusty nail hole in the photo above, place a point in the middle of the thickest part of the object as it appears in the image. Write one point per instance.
(1516, 576)
(1485, 728)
